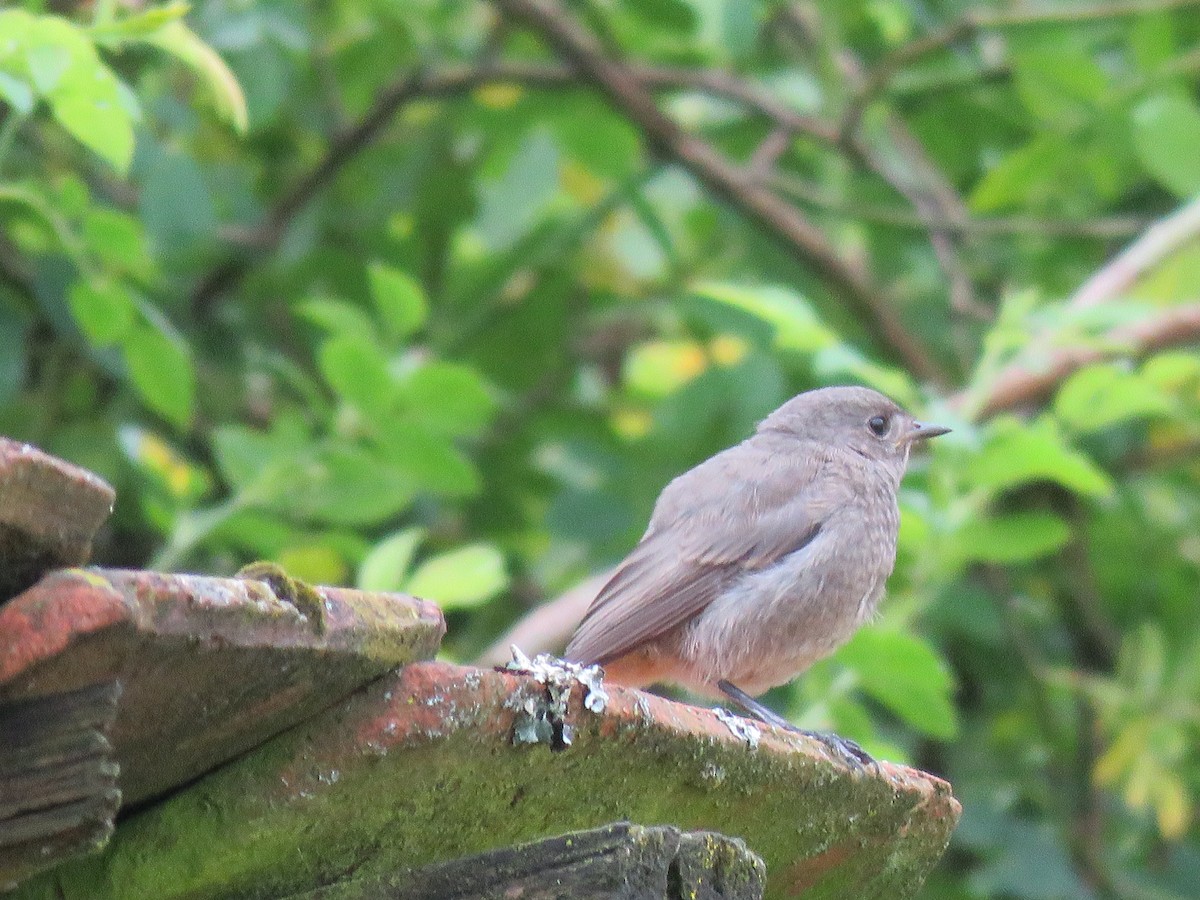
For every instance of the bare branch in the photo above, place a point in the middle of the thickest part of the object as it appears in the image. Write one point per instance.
(898, 158)
(453, 81)
(1161, 240)
(1024, 382)
(848, 277)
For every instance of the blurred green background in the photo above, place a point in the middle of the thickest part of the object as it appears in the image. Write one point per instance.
(396, 294)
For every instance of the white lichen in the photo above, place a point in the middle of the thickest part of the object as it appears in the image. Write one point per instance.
(740, 728)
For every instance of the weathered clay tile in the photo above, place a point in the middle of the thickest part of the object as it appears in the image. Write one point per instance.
(210, 667)
(49, 512)
(432, 763)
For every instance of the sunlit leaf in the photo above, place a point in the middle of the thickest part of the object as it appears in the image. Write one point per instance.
(161, 370)
(313, 562)
(398, 299)
(181, 42)
(797, 326)
(659, 368)
(386, 566)
(460, 578)
(1017, 453)
(84, 95)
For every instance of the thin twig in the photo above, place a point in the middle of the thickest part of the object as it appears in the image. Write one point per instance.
(1103, 228)
(848, 277)
(767, 154)
(894, 154)
(458, 80)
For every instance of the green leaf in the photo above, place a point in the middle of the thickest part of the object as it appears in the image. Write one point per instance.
(907, 676)
(337, 317)
(222, 87)
(399, 299)
(104, 310)
(265, 465)
(138, 25)
(1172, 371)
(448, 398)
(385, 567)
(116, 240)
(1060, 85)
(430, 460)
(1101, 395)
(1012, 538)
(1024, 175)
(1166, 133)
(797, 327)
(462, 578)
(358, 371)
(348, 485)
(84, 95)
(161, 370)
(1017, 452)
(96, 115)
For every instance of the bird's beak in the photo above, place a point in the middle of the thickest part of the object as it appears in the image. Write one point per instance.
(922, 431)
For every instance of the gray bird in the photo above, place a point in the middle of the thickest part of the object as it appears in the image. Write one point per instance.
(762, 559)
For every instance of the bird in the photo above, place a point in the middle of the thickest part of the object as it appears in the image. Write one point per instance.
(762, 559)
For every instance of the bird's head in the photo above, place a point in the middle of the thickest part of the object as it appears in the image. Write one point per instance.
(853, 418)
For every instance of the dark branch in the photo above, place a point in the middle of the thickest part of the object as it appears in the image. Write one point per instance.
(736, 186)
(347, 145)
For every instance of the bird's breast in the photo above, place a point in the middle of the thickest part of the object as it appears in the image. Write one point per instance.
(768, 625)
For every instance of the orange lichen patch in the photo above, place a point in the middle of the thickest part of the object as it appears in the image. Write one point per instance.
(62, 609)
(808, 872)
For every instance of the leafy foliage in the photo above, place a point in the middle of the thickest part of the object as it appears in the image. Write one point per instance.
(387, 293)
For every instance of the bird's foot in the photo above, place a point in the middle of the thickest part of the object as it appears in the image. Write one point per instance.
(844, 748)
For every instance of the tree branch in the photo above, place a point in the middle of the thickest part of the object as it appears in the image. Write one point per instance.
(344, 147)
(896, 156)
(1023, 382)
(1105, 228)
(1160, 240)
(847, 277)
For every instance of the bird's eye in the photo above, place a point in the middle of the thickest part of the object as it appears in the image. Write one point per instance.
(878, 424)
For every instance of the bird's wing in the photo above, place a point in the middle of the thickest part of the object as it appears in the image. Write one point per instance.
(719, 519)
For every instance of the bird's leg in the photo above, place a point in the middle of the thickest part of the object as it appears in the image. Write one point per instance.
(843, 747)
